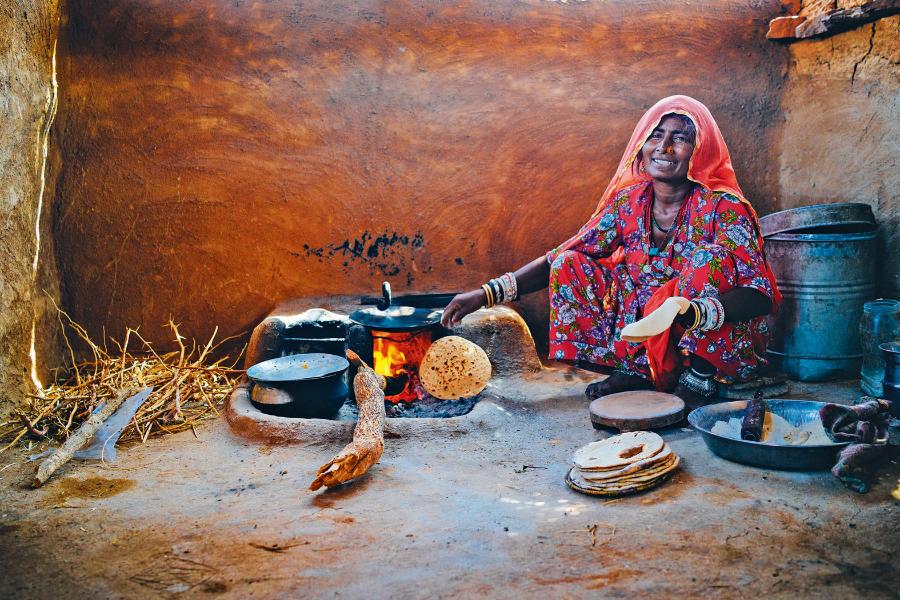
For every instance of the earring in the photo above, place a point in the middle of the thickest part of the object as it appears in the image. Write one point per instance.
(641, 168)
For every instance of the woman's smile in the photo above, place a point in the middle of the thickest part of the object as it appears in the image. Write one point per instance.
(667, 152)
(663, 163)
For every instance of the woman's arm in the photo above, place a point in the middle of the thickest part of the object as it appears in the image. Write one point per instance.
(736, 229)
(532, 277)
(597, 239)
(743, 304)
(740, 304)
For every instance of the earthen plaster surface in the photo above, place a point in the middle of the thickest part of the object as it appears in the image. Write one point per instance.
(482, 513)
(841, 136)
(222, 156)
(27, 35)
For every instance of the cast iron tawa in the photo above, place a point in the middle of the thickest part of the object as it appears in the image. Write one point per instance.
(396, 318)
(639, 410)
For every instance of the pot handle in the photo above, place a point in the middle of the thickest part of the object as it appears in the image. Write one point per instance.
(386, 298)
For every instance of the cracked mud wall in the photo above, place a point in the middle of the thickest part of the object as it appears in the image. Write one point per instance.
(841, 138)
(27, 31)
(224, 156)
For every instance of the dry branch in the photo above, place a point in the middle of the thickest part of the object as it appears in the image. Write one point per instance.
(62, 454)
(368, 436)
(188, 387)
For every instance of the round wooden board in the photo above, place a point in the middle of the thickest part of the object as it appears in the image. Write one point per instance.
(637, 411)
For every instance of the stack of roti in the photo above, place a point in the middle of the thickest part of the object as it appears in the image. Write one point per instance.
(623, 464)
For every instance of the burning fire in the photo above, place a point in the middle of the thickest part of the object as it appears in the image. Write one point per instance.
(399, 354)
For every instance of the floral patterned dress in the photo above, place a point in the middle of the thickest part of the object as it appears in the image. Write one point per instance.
(715, 247)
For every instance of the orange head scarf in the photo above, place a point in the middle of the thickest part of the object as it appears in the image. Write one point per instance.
(710, 165)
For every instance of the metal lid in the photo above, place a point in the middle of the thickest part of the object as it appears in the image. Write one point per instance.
(396, 318)
(846, 214)
(297, 367)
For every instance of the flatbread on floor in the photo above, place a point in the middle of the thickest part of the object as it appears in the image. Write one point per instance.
(618, 451)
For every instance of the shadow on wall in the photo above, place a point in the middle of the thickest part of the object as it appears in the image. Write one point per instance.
(219, 157)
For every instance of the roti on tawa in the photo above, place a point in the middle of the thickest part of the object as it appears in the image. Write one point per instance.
(618, 451)
(601, 478)
(454, 368)
(665, 455)
(629, 480)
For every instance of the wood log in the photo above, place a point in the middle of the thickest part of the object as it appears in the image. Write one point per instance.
(838, 21)
(784, 28)
(368, 436)
(80, 437)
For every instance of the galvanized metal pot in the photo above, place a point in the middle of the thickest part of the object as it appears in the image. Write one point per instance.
(826, 274)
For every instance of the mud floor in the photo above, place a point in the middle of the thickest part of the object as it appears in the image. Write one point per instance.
(482, 512)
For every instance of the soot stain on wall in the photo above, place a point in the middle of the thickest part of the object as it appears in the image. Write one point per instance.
(387, 253)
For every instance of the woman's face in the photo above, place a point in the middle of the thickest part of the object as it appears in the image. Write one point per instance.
(668, 151)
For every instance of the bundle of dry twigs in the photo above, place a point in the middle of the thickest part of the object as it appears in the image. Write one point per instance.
(188, 386)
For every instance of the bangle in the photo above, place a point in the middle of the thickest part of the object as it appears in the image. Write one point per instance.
(489, 295)
(720, 313)
(501, 289)
(511, 286)
(696, 306)
(710, 314)
(498, 291)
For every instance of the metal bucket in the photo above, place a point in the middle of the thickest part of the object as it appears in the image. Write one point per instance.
(825, 279)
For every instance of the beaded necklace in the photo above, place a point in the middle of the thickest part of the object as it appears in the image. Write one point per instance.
(652, 249)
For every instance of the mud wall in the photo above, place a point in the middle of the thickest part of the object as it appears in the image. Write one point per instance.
(27, 31)
(222, 156)
(841, 139)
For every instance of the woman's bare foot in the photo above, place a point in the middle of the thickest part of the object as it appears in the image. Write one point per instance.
(615, 383)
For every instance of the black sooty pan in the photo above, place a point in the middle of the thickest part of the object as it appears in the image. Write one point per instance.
(396, 318)
(309, 386)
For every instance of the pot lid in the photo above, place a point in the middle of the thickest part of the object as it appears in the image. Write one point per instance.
(855, 216)
(297, 367)
(396, 318)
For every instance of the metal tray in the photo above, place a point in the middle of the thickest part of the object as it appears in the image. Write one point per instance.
(762, 454)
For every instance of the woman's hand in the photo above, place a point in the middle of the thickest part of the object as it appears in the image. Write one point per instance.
(657, 321)
(462, 305)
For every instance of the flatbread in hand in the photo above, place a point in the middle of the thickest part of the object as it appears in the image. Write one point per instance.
(657, 321)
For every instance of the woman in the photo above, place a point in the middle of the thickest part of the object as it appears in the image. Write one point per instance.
(673, 222)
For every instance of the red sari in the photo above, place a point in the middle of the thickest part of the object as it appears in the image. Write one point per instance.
(608, 275)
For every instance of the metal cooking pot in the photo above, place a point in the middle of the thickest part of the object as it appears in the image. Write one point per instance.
(310, 386)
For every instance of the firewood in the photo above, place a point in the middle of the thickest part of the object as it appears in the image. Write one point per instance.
(80, 437)
(837, 21)
(368, 437)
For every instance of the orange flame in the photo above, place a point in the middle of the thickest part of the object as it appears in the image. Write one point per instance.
(400, 353)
